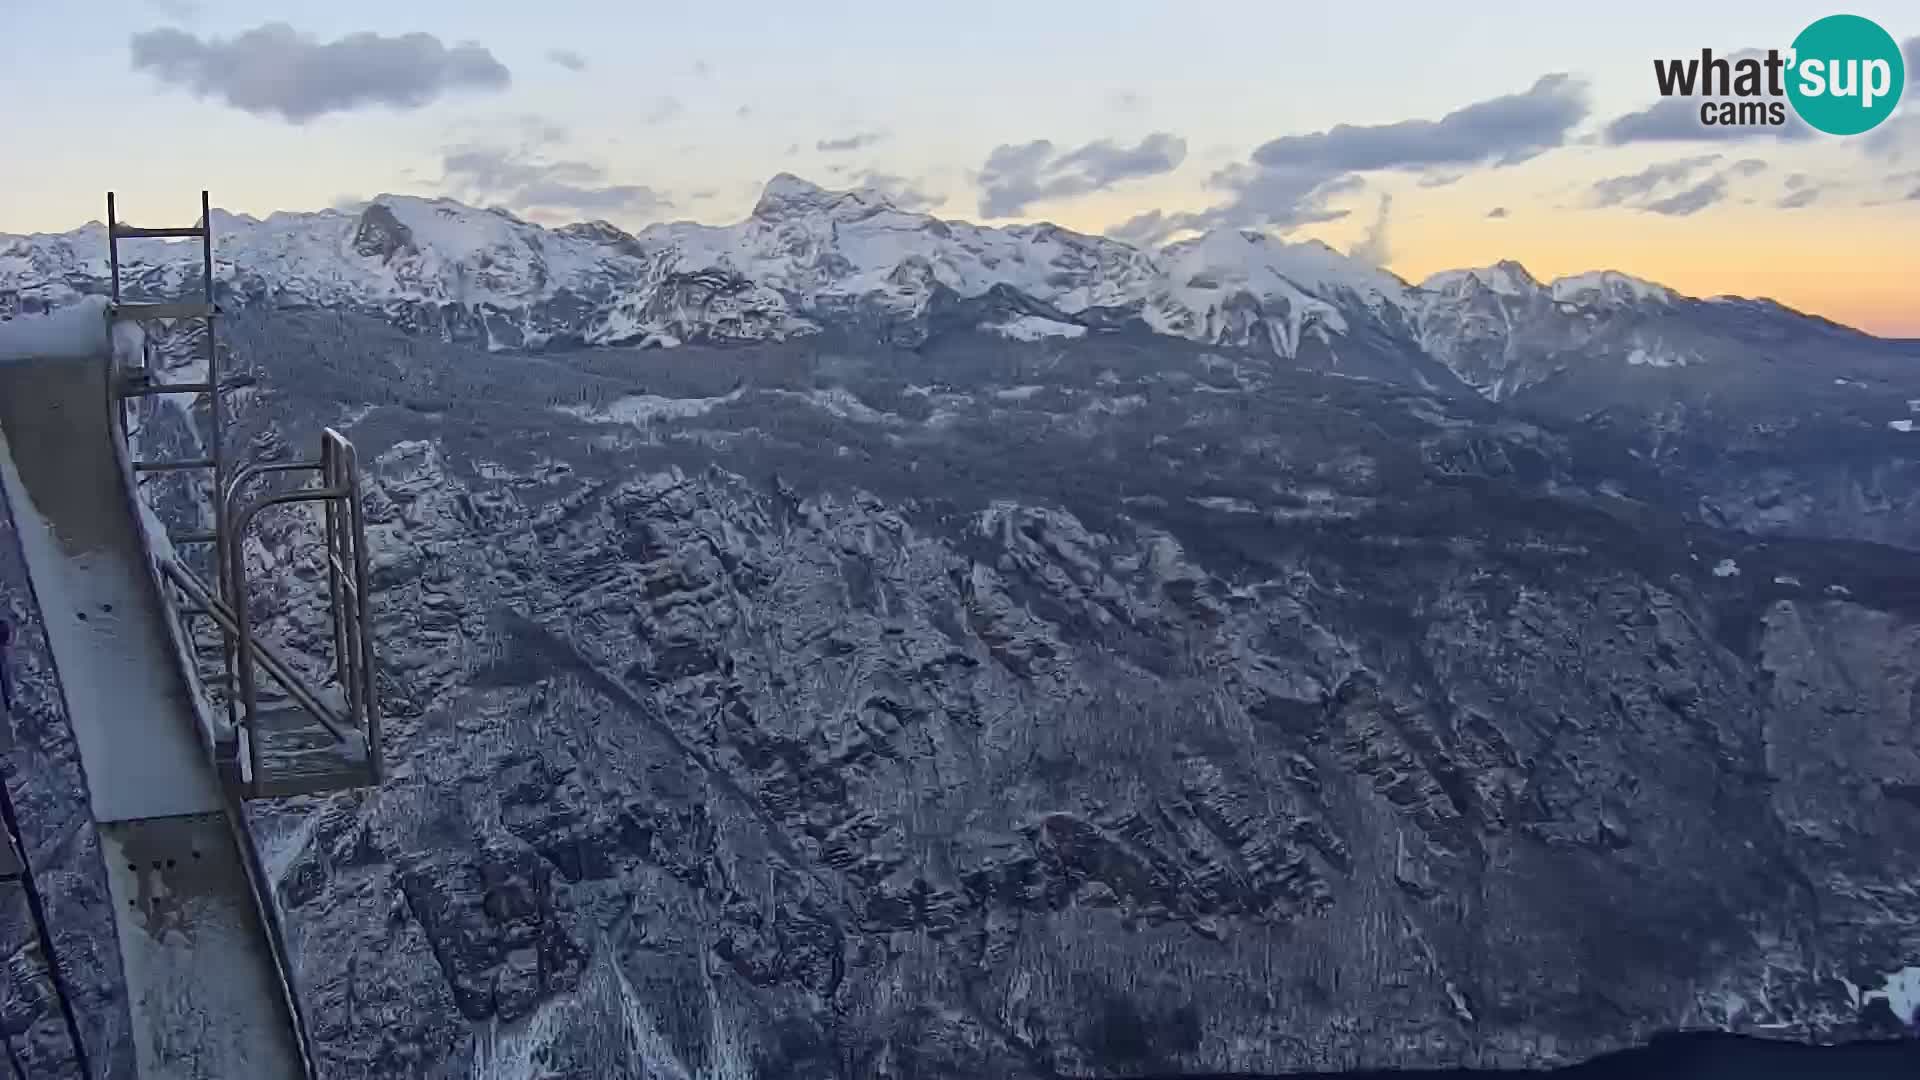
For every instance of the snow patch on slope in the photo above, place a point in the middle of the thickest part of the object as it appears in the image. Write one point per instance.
(1035, 328)
(1902, 994)
(641, 409)
(843, 404)
(1657, 357)
(1900, 990)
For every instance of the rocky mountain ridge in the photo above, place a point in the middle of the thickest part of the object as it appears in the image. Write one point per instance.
(806, 257)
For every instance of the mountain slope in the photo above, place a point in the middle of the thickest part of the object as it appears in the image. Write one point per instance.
(1009, 709)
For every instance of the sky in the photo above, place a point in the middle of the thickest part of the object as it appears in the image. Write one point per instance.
(1419, 136)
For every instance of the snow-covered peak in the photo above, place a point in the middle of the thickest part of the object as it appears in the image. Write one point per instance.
(452, 229)
(1233, 286)
(1265, 264)
(787, 195)
(1609, 288)
(827, 248)
(1506, 278)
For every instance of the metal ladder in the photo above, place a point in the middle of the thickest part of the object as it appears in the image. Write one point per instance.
(323, 734)
(141, 383)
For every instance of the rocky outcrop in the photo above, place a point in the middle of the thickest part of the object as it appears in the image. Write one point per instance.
(381, 235)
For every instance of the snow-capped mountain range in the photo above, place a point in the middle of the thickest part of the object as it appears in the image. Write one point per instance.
(808, 258)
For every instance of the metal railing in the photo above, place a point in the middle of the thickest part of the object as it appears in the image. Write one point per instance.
(347, 601)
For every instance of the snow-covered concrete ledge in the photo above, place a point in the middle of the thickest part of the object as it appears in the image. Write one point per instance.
(73, 332)
(78, 331)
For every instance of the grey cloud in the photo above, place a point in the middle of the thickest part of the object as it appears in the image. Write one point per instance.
(1375, 248)
(612, 198)
(743, 111)
(1897, 185)
(1147, 230)
(1693, 200)
(529, 183)
(1797, 181)
(1293, 180)
(1279, 199)
(857, 141)
(1015, 177)
(1636, 189)
(1502, 131)
(1497, 212)
(1895, 136)
(903, 192)
(1799, 198)
(492, 171)
(1615, 190)
(1126, 101)
(568, 59)
(274, 70)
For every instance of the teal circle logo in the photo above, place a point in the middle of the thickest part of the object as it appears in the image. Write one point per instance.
(1846, 74)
